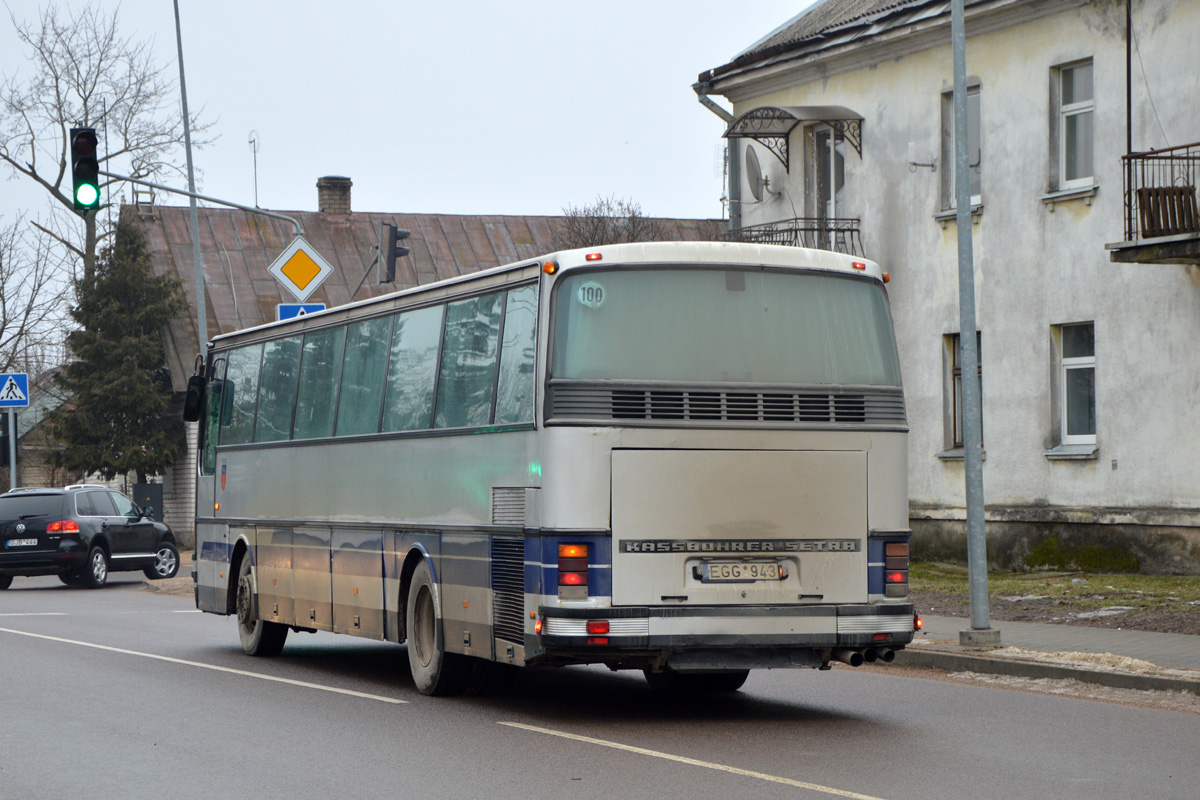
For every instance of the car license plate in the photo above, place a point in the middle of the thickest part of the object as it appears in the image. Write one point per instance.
(739, 571)
(22, 542)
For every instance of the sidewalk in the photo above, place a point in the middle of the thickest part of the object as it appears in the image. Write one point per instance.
(1121, 659)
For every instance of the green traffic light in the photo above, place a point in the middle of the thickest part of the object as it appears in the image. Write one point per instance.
(87, 195)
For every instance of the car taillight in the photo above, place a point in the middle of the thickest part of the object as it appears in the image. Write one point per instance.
(572, 571)
(62, 526)
(895, 569)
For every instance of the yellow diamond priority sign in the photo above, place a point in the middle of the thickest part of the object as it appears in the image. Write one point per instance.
(300, 268)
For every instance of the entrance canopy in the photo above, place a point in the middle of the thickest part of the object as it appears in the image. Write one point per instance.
(772, 125)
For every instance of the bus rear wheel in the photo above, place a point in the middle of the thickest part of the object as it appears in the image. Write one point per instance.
(668, 680)
(434, 671)
(259, 637)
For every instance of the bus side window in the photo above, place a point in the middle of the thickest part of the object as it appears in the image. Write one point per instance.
(514, 401)
(241, 391)
(320, 371)
(209, 424)
(362, 376)
(467, 379)
(412, 370)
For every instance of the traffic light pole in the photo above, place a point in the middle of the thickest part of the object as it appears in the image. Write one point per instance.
(297, 228)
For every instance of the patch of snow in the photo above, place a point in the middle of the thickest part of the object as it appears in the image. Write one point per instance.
(1017, 598)
(1111, 611)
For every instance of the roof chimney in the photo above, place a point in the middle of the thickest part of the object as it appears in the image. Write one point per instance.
(333, 194)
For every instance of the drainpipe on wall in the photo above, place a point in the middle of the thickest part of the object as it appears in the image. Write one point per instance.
(734, 190)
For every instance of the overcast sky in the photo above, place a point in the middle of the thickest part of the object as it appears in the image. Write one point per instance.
(518, 107)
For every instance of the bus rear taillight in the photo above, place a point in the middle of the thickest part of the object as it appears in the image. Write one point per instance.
(895, 565)
(597, 627)
(572, 571)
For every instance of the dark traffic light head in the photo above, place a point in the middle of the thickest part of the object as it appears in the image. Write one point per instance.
(390, 250)
(85, 169)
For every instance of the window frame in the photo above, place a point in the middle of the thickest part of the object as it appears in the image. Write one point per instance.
(1065, 365)
(955, 433)
(1064, 110)
(949, 195)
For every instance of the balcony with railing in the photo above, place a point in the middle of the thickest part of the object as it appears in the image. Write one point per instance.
(838, 235)
(1162, 224)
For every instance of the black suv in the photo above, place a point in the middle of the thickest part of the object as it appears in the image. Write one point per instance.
(81, 533)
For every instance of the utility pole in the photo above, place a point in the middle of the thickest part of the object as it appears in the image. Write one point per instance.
(201, 310)
(981, 632)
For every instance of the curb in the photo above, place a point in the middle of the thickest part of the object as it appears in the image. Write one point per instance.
(965, 661)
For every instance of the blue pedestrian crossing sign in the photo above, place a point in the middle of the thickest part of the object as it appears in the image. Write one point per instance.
(14, 390)
(290, 310)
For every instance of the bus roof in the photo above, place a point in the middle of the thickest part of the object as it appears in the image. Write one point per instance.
(768, 255)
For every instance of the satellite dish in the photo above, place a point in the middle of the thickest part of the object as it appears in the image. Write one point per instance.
(759, 183)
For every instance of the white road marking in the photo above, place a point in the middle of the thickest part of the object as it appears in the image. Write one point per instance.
(214, 667)
(188, 611)
(36, 614)
(762, 776)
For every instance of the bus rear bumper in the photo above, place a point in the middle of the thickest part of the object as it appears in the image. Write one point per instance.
(721, 637)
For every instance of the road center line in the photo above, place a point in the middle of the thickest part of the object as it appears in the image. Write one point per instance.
(35, 614)
(762, 776)
(214, 667)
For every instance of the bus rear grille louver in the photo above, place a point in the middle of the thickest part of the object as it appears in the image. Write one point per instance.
(508, 589)
(869, 405)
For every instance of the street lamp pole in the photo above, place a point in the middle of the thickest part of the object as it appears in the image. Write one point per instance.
(981, 632)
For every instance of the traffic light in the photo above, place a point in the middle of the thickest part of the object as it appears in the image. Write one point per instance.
(390, 250)
(85, 169)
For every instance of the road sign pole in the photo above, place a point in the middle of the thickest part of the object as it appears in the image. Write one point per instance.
(12, 449)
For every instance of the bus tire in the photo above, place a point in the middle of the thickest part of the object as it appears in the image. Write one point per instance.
(434, 671)
(668, 680)
(259, 637)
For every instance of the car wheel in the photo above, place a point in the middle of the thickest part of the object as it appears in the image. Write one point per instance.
(95, 574)
(71, 578)
(668, 680)
(434, 671)
(259, 637)
(5, 581)
(166, 563)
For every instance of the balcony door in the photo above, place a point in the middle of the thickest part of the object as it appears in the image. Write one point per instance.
(829, 172)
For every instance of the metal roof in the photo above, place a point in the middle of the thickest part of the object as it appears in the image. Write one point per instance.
(237, 247)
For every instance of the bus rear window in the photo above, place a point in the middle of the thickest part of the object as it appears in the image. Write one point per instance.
(707, 325)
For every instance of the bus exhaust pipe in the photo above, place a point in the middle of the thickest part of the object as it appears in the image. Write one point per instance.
(852, 657)
(887, 656)
(870, 655)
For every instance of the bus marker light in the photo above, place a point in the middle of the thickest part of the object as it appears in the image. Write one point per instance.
(918, 623)
(217, 506)
(356, 590)
(572, 551)
(858, 265)
(593, 257)
(597, 626)
(887, 278)
(549, 267)
(537, 627)
(881, 637)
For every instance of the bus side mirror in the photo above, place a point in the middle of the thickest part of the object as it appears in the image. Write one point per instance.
(193, 401)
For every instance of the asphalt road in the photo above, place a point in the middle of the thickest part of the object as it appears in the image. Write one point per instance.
(127, 693)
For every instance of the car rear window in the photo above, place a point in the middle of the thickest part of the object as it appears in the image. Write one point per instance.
(24, 506)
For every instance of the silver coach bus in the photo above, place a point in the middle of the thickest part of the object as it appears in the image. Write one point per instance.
(684, 458)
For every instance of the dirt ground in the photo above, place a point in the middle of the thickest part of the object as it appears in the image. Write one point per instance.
(1065, 612)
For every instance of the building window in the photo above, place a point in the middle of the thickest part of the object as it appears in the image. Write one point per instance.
(1077, 383)
(974, 147)
(1076, 111)
(955, 421)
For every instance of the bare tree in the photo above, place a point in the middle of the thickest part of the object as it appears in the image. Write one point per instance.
(608, 220)
(33, 296)
(86, 74)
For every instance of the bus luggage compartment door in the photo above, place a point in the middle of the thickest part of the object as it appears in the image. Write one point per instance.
(739, 527)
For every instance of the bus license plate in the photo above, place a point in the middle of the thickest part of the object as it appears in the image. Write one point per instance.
(22, 542)
(739, 571)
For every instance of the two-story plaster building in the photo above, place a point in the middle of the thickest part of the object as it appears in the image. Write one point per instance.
(841, 136)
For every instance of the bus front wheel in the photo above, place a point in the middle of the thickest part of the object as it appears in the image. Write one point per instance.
(259, 637)
(434, 671)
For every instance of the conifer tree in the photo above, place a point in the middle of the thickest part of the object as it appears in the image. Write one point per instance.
(118, 387)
